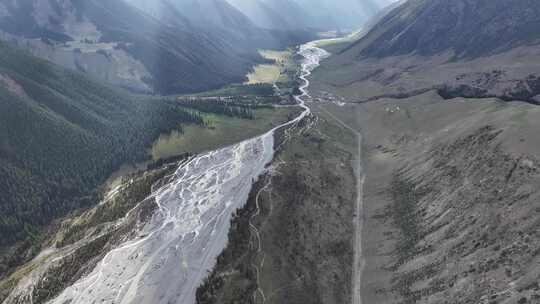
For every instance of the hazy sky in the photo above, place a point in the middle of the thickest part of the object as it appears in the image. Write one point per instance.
(346, 14)
(322, 14)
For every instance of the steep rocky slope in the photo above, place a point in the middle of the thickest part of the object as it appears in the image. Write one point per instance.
(462, 48)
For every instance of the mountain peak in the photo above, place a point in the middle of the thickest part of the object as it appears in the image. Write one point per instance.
(465, 27)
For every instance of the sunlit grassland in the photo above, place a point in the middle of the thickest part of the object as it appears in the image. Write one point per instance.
(274, 72)
(220, 132)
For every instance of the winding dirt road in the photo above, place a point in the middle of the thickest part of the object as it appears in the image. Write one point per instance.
(359, 262)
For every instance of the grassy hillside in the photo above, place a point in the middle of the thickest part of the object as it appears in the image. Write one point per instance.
(61, 135)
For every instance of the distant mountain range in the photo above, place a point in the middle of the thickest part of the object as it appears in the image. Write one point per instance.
(159, 46)
(171, 46)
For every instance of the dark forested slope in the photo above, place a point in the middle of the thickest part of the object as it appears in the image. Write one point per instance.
(61, 135)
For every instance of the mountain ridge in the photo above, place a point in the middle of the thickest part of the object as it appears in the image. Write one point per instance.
(418, 46)
(129, 47)
(465, 26)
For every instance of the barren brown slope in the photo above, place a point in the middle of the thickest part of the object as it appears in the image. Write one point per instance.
(461, 48)
(450, 199)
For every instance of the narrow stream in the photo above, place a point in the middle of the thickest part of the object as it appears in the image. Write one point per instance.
(190, 228)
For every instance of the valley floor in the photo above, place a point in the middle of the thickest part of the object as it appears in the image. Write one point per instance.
(299, 221)
(220, 132)
(297, 225)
